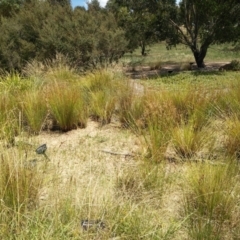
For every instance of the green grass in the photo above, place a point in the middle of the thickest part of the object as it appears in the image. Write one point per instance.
(158, 53)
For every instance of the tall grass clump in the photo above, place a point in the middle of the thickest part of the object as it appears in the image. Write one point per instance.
(102, 106)
(130, 107)
(228, 102)
(211, 196)
(232, 138)
(19, 186)
(193, 105)
(101, 89)
(14, 83)
(133, 221)
(57, 68)
(187, 141)
(35, 110)
(139, 200)
(67, 105)
(9, 118)
(12, 87)
(19, 193)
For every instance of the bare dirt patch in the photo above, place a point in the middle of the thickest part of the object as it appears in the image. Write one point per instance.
(89, 158)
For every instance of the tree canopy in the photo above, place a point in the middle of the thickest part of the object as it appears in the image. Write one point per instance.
(143, 20)
(202, 23)
(41, 29)
(31, 29)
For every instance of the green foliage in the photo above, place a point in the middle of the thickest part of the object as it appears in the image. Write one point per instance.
(142, 20)
(215, 23)
(7, 8)
(235, 65)
(23, 33)
(40, 30)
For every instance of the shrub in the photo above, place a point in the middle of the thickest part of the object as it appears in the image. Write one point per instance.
(234, 65)
(39, 30)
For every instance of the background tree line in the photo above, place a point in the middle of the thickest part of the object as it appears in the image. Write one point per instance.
(33, 29)
(39, 29)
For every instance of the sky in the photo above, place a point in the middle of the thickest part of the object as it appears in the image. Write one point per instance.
(84, 3)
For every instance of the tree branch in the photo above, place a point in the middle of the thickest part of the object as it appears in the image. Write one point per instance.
(187, 42)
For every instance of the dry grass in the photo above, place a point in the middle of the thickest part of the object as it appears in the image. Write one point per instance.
(121, 176)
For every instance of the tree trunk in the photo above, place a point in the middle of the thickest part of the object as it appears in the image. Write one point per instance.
(143, 48)
(199, 55)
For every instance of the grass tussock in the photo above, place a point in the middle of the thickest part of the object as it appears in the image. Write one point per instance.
(19, 186)
(232, 140)
(101, 89)
(130, 108)
(210, 200)
(187, 141)
(19, 193)
(35, 110)
(67, 106)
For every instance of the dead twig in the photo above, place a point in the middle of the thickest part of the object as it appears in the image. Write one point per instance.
(118, 153)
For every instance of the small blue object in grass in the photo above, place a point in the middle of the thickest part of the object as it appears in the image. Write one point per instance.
(42, 149)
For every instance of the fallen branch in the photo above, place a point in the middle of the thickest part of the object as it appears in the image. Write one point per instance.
(118, 153)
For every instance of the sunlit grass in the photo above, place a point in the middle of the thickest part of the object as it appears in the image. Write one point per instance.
(101, 89)
(35, 110)
(179, 55)
(67, 106)
(232, 141)
(136, 195)
(187, 141)
(211, 199)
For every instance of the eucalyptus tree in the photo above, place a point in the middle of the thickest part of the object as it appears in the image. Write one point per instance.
(202, 23)
(143, 20)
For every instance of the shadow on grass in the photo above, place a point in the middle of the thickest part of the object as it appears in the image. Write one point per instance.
(203, 72)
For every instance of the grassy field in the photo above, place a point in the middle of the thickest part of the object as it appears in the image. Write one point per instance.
(158, 53)
(161, 163)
